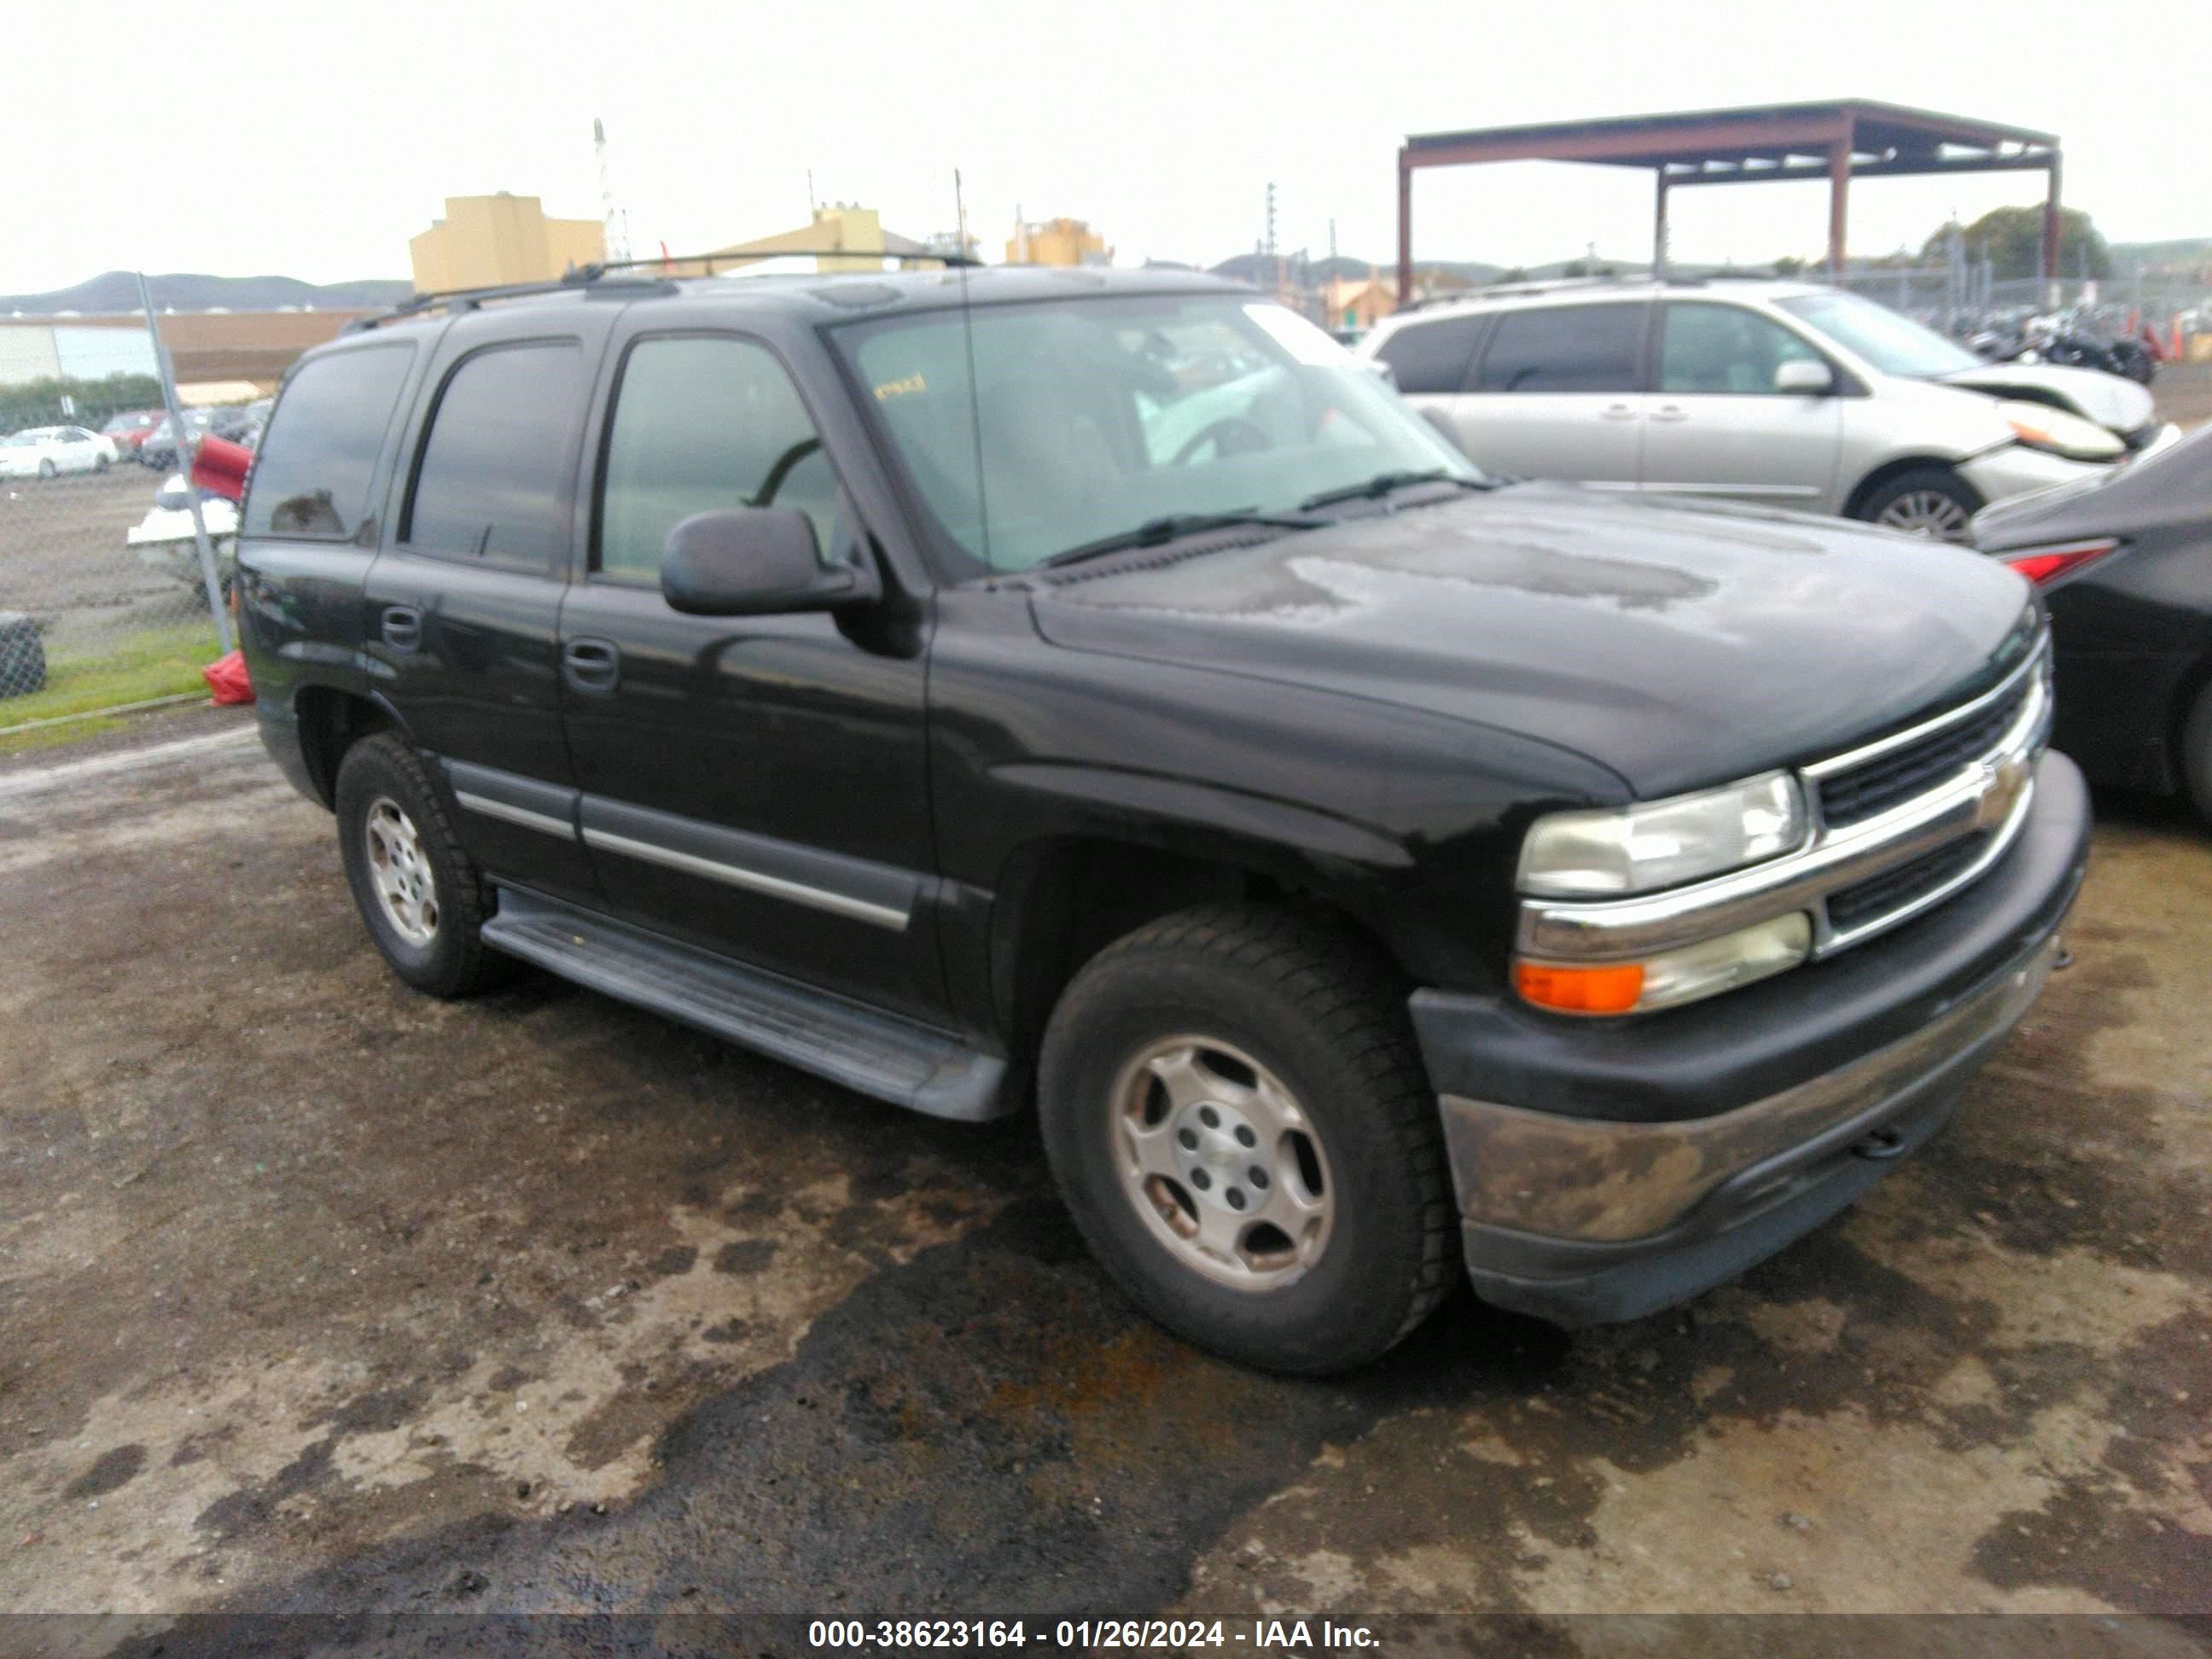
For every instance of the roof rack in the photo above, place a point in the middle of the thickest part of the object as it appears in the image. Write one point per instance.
(595, 279)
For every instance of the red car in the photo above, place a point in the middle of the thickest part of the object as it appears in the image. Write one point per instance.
(128, 430)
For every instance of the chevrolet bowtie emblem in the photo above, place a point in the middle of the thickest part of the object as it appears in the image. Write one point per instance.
(2003, 781)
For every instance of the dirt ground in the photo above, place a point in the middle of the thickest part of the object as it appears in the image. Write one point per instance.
(316, 1294)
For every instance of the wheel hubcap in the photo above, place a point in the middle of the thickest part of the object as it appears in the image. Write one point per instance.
(405, 889)
(1926, 512)
(1222, 1164)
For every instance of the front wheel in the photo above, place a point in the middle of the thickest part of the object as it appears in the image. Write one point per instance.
(1235, 1112)
(2196, 755)
(46, 469)
(1927, 501)
(422, 897)
(100, 463)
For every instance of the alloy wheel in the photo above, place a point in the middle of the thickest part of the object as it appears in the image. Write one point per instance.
(406, 891)
(1222, 1163)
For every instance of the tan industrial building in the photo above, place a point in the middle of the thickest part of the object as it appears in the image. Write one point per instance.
(212, 349)
(843, 227)
(1056, 242)
(485, 242)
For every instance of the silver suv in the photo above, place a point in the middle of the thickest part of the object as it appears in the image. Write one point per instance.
(1785, 394)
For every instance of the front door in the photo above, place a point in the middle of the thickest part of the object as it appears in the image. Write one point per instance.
(1717, 426)
(463, 609)
(754, 785)
(1559, 394)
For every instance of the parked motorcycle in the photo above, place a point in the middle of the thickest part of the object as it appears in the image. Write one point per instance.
(2062, 337)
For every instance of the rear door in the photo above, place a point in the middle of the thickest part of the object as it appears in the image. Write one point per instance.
(1718, 428)
(1558, 393)
(465, 604)
(754, 785)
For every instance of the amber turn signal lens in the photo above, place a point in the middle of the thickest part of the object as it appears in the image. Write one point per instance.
(1608, 990)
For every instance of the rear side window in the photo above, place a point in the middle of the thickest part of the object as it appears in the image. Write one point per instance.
(1430, 357)
(312, 475)
(493, 483)
(1566, 348)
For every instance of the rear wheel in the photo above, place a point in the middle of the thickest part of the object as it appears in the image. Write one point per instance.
(422, 897)
(1927, 501)
(1236, 1114)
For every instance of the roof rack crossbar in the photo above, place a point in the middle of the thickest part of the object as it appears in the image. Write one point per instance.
(592, 272)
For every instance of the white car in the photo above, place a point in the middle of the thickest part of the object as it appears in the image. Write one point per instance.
(44, 451)
(1778, 394)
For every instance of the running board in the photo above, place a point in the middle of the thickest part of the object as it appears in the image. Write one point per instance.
(877, 1054)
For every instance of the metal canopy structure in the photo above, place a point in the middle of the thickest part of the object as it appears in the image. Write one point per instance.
(1837, 142)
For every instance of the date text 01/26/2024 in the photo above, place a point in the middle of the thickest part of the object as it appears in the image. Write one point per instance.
(1260, 1635)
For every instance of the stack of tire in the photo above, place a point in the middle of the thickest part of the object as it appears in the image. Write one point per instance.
(22, 657)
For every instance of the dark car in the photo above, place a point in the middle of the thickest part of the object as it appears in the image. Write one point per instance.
(2124, 565)
(159, 449)
(1354, 863)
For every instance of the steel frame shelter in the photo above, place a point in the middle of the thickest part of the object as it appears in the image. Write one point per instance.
(1839, 142)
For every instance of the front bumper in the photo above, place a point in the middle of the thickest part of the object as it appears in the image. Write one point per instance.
(1605, 1171)
(2014, 470)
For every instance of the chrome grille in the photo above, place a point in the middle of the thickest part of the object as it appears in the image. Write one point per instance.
(1907, 884)
(1860, 792)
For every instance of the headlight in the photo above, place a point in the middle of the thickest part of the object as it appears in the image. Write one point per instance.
(1620, 851)
(2040, 427)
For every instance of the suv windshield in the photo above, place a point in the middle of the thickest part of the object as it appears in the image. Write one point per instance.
(1091, 418)
(1892, 343)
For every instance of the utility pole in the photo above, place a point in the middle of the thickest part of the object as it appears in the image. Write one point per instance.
(614, 222)
(1275, 258)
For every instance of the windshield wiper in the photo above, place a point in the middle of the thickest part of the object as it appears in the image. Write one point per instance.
(1154, 532)
(1383, 483)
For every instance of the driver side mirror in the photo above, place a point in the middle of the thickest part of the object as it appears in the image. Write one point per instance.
(1802, 377)
(756, 562)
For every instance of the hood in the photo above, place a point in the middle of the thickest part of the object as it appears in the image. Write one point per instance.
(2119, 405)
(1679, 646)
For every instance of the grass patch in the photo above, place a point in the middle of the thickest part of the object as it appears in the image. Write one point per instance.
(155, 662)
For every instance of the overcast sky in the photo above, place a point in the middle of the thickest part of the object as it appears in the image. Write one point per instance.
(317, 140)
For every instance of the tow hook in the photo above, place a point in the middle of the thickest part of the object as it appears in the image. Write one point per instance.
(1880, 1145)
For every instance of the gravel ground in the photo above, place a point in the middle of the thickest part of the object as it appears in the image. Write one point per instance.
(315, 1294)
(64, 559)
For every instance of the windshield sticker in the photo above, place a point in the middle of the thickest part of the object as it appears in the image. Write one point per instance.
(890, 389)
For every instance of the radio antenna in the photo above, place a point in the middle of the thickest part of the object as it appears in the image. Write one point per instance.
(975, 394)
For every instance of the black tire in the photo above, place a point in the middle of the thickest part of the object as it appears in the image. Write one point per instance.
(100, 463)
(1914, 495)
(46, 470)
(2195, 756)
(1317, 1006)
(453, 960)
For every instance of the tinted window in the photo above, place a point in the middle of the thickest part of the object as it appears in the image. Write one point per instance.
(1723, 348)
(1430, 357)
(313, 474)
(699, 426)
(493, 482)
(1565, 349)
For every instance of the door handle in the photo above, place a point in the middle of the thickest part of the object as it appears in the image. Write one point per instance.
(402, 627)
(1618, 412)
(1670, 412)
(593, 666)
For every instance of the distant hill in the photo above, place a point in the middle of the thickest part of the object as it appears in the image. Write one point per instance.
(118, 291)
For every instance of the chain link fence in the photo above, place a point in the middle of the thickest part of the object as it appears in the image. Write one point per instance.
(102, 605)
(1961, 299)
(100, 596)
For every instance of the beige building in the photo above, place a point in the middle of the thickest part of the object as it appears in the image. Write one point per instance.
(1057, 242)
(841, 227)
(486, 240)
(1357, 305)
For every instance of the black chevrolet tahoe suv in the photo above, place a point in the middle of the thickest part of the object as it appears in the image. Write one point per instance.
(1096, 692)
